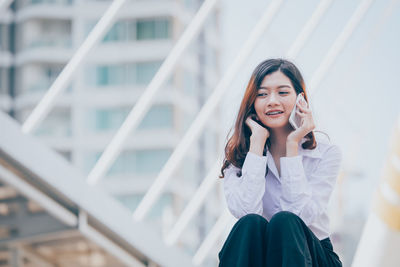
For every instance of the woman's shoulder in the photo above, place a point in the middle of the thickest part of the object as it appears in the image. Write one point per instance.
(325, 144)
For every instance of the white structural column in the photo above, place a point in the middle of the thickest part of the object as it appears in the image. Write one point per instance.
(206, 111)
(338, 45)
(143, 104)
(380, 240)
(46, 103)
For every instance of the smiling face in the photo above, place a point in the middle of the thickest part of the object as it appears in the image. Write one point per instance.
(276, 93)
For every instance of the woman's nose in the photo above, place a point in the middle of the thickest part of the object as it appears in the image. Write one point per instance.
(272, 99)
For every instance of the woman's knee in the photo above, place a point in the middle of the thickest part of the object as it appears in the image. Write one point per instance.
(252, 219)
(283, 218)
(249, 225)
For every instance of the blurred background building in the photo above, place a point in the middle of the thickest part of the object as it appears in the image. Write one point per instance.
(355, 102)
(37, 38)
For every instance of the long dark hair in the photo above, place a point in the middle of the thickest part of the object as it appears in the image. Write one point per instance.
(239, 143)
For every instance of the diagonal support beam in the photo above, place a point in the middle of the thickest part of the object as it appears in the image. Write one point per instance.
(338, 45)
(195, 203)
(308, 28)
(4, 4)
(143, 104)
(224, 221)
(200, 121)
(43, 108)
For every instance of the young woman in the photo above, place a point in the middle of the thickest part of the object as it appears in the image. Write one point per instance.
(278, 180)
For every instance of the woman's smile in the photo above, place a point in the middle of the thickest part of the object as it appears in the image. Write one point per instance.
(275, 97)
(276, 115)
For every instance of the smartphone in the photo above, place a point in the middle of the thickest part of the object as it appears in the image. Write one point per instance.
(295, 119)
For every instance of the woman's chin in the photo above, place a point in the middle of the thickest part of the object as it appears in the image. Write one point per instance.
(277, 126)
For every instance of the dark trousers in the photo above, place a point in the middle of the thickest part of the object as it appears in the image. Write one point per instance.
(284, 241)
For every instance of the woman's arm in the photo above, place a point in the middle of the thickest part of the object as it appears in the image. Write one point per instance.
(308, 197)
(244, 194)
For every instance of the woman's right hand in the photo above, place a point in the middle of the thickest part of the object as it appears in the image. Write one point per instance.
(257, 130)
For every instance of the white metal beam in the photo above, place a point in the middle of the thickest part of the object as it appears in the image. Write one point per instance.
(106, 243)
(226, 220)
(206, 111)
(143, 104)
(63, 79)
(67, 182)
(308, 28)
(4, 4)
(31, 192)
(194, 205)
(33, 257)
(338, 45)
(372, 37)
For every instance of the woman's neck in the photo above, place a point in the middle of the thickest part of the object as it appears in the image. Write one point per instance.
(278, 139)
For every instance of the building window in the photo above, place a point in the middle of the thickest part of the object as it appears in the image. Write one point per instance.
(189, 83)
(151, 161)
(122, 74)
(139, 162)
(110, 119)
(132, 201)
(123, 30)
(47, 33)
(153, 29)
(113, 75)
(158, 117)
(52, 2)
(131, 30)
(145, 71)
(47, 74)
(57, 124)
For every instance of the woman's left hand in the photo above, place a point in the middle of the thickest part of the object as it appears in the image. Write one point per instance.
(307, 123)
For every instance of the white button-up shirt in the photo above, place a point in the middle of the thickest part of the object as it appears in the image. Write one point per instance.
(304, 187)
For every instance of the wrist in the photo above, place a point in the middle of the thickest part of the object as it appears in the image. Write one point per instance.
(258, 138)
(291, 148)
(257, 145)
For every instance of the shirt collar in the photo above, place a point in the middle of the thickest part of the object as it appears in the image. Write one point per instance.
(312, 153)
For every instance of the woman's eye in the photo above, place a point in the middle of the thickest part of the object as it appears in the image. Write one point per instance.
(283, 93)
(261, 94)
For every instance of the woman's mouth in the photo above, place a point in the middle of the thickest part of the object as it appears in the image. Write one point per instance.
(274, 114)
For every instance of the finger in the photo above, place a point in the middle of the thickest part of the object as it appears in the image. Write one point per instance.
(300, 113)
(249, 121)
(304, 103)
(304, 109)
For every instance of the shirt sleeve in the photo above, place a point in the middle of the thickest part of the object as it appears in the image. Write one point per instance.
(308, 197)
(244, 194)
